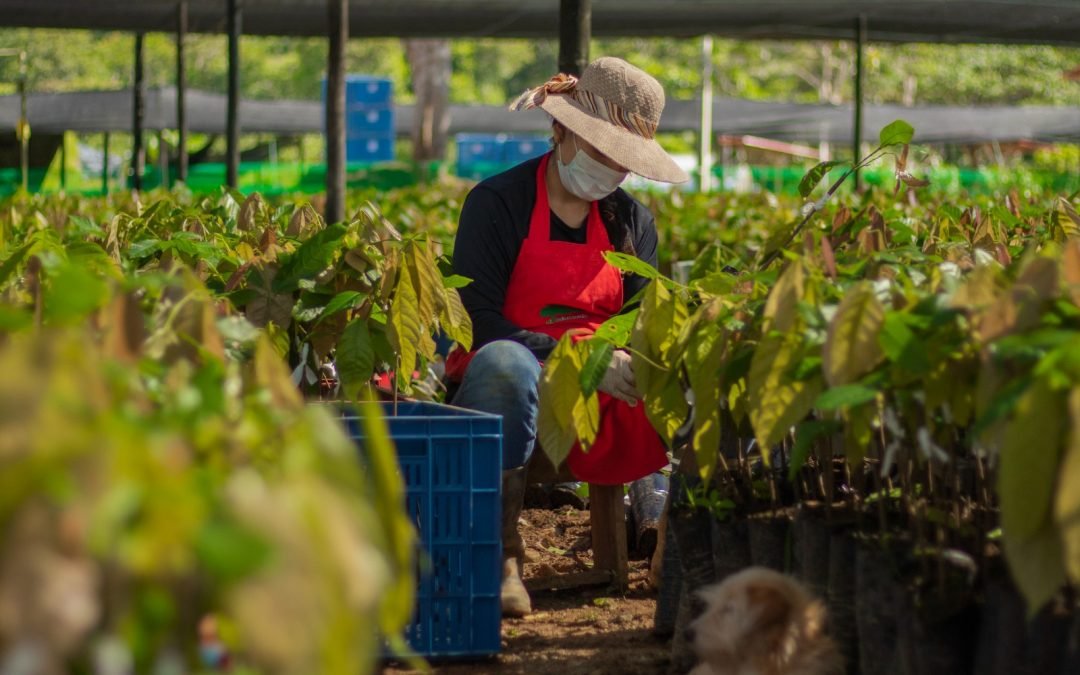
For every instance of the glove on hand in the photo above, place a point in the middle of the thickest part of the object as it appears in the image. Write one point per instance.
(619, 379)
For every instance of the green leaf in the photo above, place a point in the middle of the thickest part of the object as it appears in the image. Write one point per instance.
(596, 365)
(229, 552)
(806, 433)
(656, 332)
(631, 264)
(705, 355)
(814, 176)
(900, 345)
(72, 293)
(844, 396)
(313, 256)
(12, 262)
(1067, 498)
(404, 328)
(355, 358)
(777, 401)
(851, 348)
(456, 281)
(340, 302)
(782, 303)
(1029, 460)
(455, 320)
(617, 329)
(1035, 561)
(560, 389)
(898, 132)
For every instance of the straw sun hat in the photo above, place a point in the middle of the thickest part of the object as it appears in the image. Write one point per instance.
(616, 108)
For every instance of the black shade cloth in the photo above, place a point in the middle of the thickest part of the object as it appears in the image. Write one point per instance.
(111, 111)
(985, 21)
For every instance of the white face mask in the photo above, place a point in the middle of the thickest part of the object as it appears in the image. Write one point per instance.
(587, 178)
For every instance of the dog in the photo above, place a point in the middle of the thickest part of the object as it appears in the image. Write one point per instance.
(761, 622)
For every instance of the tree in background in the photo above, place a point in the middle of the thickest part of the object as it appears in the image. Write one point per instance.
(429, 66)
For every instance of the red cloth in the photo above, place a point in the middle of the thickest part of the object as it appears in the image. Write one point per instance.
(577, 277)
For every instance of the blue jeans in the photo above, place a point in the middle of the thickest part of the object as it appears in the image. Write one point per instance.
(502, 379)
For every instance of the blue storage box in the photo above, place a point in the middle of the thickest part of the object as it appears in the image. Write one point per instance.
(472, 148)
(370, 121)
(517, 149)
(369, 148)
(451, 461)
(366, 90)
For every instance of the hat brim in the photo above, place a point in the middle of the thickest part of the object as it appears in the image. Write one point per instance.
(642, 156)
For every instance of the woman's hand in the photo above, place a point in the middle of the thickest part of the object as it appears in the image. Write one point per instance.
(619, 381)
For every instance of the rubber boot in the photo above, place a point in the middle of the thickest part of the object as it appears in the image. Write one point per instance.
(515, 599)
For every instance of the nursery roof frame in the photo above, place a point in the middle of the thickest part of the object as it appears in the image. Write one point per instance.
(955, 21)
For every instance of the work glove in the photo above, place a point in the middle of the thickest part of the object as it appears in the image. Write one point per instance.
(619, 381)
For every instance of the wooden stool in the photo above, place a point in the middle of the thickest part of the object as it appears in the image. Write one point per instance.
(608, 523)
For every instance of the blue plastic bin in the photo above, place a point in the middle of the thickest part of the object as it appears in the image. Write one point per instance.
(517, 149)
(369, 148)
(451, 460)
(370, 121)
(366, 90)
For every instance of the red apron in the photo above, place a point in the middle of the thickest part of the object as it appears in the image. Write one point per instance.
(577, 276)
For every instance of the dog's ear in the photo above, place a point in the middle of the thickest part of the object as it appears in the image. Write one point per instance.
(814, 619)
(772, 613)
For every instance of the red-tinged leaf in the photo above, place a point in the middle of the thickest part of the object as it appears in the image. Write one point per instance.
(912, 181)
(829, 258)
(237, 277)
(1001, 254)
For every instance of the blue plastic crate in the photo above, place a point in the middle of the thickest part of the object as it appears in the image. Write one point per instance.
(451, 461)
(373, 120)
(517, 149)
(365, 90)
(472, 148)
(369, 148)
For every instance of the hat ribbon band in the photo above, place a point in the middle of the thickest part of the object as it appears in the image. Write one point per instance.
(591, 103)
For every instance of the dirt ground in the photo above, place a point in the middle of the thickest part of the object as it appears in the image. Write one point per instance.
(594, 631)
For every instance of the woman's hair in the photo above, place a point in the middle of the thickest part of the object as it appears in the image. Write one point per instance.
(618, 231)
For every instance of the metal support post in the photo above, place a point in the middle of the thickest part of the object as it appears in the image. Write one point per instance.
(105, 164)
(232, 154)
(860, 43)
(181, 91)
(705, 161)
(338, 23)
(138, 112)
(575, 30)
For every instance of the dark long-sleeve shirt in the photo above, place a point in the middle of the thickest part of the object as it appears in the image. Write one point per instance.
(493, 224)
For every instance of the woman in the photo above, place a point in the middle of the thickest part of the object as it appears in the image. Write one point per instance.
(532, 241)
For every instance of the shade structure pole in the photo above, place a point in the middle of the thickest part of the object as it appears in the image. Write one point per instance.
(860, 43)
(138, 113)
(705, 159)
(232, 125)
(338, 23)
(575, 30)
(24, 126)
(181, 91)
(105, 164)
(63, 162)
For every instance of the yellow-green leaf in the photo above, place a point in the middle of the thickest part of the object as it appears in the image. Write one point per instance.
(851, 349)
(705, 356)
(780, 306)
(1029, 460)
(455, 320)
(404, 329)
(777, 400)
(560, 390)
(1035, 561)
(1067, 499)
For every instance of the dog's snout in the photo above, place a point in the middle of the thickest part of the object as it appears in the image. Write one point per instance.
(689, 633)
